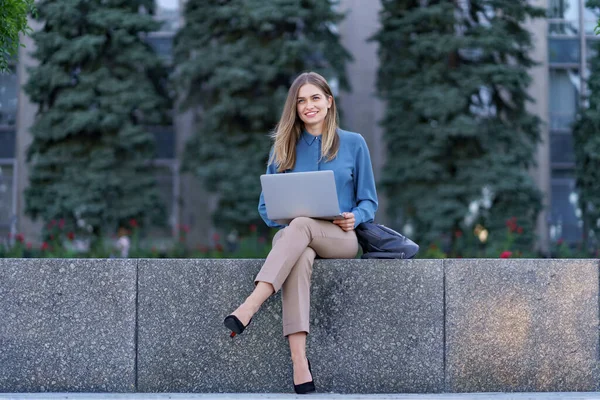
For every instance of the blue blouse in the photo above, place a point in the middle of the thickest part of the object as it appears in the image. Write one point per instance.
(351, 167)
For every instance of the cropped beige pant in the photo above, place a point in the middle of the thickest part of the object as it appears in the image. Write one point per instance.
(289, 264)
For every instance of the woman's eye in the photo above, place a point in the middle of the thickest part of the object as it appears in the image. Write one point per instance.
(300, 101)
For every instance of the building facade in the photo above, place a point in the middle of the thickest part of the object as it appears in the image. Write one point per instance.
(561, 49)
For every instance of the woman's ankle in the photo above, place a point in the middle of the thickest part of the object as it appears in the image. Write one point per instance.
(299, 358)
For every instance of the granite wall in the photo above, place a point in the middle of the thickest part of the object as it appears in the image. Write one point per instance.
(377, 326)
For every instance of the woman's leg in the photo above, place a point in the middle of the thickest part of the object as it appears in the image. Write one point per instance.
(299, 361)
(252, 304)
(328, 240)
(295, 295)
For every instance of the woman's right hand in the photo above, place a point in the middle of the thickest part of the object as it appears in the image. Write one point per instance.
(347, 224)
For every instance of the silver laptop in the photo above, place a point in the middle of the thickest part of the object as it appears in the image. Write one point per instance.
(300, 194)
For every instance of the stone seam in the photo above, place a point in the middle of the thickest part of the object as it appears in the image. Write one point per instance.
(136, 326)
(444, 341)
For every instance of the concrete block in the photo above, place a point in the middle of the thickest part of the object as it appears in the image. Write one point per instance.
(68, 325)
(522, 325)
(376, 327)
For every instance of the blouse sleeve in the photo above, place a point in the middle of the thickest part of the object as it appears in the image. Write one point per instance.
(364, 185)
(262, 208)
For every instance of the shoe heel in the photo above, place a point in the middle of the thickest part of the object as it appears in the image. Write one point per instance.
(236, 327)
(306, 387)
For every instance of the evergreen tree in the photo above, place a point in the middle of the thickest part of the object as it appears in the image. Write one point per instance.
(98, 86)
(13, 21)
(236, 60)
(459, 139)
(587, 146)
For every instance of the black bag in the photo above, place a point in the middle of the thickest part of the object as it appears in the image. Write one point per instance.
(379, 241)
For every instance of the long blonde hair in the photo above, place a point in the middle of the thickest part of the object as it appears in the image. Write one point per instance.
(288, 130)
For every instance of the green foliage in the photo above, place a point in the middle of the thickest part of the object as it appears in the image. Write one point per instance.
(13, 21)
(97, 86)
(236, 60)
(586, 142)
(458, 136)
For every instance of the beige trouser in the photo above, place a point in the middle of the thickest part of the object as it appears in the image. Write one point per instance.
(289, 264)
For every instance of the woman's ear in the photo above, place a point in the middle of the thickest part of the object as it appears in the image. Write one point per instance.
(330, 101)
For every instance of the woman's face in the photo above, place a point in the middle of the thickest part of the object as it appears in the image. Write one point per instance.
(312, 105)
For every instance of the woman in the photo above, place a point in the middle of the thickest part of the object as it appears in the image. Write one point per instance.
(307, 138)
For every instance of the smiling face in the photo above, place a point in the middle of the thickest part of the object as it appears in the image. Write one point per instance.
(312, 107)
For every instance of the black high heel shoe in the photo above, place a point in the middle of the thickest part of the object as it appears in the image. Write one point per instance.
(232, 323)
(306, 387)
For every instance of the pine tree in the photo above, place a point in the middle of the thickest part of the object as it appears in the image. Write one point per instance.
(236, 60)
(454, 77)
(98, 86)
(586, 142)
(13, 21)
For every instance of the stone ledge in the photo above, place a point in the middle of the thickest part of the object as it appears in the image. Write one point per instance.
(522, 325)
(68, 325)
(378, 326)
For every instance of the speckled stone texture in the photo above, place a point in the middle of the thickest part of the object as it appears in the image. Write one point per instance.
(377, 327)
(522, 325)
(67, 325)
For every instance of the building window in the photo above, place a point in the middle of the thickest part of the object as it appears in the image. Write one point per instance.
(7, 198)
(8, 99)
(563, 50)
(564, 98)
(563, 18)
(167, 11)
(162, 43)
(7, 142)
(565, 215)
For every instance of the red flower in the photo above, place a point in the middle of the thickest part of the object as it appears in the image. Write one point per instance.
(216, 237)
(29, 245)
(506, 254)
(261, 240)
(61, 223)
(252, 228)
(45, 246)
(458, 233)
(71, 236)
(560, 241)
(51, 224)
(182, 239)
(185, 228)
(520, 230)
(202, 248)
(219, 247)
(133, 223)
(511, 224)
(19, 237)
(433, 246)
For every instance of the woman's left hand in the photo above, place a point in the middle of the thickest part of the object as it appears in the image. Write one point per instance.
(347, 224)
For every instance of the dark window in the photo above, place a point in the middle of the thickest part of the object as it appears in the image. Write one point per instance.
(563, 50)
(7, 143)
(164, 139)
(8, 99)
(561, 148)
(6, 198)
(565, 223)
(162, 44)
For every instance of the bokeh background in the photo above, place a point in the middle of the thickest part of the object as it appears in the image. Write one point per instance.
(150, 120)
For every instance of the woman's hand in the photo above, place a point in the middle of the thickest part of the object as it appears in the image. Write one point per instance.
(347, 224)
